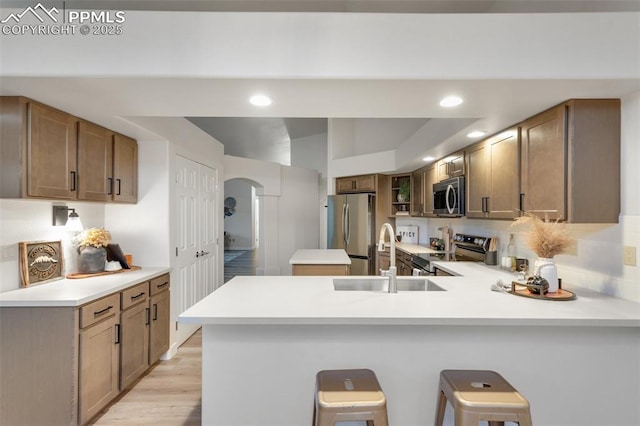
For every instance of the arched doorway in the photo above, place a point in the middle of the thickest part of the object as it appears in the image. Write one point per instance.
(241, 228)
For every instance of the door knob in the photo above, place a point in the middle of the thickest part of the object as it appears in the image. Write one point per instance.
(204, 253)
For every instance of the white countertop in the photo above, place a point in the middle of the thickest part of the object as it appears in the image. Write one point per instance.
(76, 292)
(467, 301)
(414, 248)
(320, 257)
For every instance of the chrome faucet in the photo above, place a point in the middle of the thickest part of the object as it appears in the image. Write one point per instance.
(391, 273)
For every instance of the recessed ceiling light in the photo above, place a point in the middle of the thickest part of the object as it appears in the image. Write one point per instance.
(451, 101)
(260, 100)
(476, 134)
(428, 159)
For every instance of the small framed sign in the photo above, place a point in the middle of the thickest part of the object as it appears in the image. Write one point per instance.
(408, 234)
(40, 262)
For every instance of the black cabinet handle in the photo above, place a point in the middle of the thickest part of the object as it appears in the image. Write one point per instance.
(105, 310)
(148, 313)
(117, 334)
(139, 295)
(73, 181)
(522, 201)
(155, 312)
(110, 186)
(119, 186)
(163, 284)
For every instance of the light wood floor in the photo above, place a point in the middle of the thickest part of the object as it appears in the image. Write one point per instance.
(170, 394)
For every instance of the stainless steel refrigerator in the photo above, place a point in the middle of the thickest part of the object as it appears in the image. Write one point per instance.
(350, 226)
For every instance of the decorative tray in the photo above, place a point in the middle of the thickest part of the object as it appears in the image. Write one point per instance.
(78, 275)
(521, 290)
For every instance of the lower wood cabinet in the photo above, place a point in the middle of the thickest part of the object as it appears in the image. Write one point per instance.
(98, 368)
(313, 269)
(403, 263)
(134, 338)
(160, 314)
(73, 361)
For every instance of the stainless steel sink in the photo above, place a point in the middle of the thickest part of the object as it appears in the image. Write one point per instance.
(382, 285)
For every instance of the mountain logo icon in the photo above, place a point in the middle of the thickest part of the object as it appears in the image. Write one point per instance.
(39, 11)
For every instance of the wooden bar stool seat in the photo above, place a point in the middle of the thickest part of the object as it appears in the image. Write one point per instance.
(480, 395)
(349, 395)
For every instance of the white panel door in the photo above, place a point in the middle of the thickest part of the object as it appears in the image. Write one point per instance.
(197, 247)
(187, 242)
(208, 233)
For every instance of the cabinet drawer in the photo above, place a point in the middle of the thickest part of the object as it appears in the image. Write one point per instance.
(135, 294)
(99, 310)
(159, 284)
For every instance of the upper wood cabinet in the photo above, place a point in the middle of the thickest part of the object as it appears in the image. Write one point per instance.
(95, 160)
(451, 166)
(38, 150)
(46, 153)
(570, 162)
(417, 194)
(353, 184)
(125, 169)
(493, 179)
(429, 177)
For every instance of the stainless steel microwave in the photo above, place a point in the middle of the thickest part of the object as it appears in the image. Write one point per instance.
(448, 197)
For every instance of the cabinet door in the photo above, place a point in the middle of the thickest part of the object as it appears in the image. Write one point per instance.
(543, 162)
(417, 194)
(344, 185)
(95, 160)
(477, 171)
(451, 166)
(159, 331)
(504, 175)
(125, 169)
(98, 367)
(366, 183)
(429, 177)
(51, 153)
(457, 165)
(134, 345)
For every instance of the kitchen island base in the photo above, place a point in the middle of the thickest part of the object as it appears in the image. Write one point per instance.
(571, 375)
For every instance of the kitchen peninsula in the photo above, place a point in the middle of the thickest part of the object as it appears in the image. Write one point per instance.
(265, 338)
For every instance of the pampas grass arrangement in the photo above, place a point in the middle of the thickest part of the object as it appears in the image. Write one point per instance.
(546, 239)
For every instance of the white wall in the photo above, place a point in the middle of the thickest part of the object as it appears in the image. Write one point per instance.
(31, 220)
(299, 213)
(141, 229)
(289, 209)
(311, 152)
(239, 226)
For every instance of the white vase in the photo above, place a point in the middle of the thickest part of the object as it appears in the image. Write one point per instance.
(546, 268)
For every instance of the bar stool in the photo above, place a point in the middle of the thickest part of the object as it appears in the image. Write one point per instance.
(480, 395)
(349, 395)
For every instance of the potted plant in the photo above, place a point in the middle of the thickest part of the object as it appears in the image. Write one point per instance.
(404, 191)
(546, 239)
(92, 253)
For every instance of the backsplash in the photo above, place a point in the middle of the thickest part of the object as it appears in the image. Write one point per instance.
(31, 220)
(595, 260)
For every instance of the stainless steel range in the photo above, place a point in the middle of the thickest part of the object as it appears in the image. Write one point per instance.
(466, 248)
